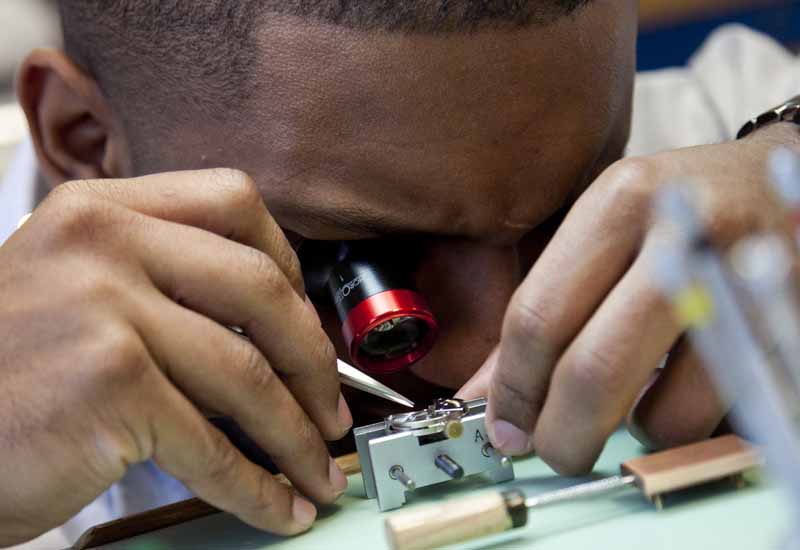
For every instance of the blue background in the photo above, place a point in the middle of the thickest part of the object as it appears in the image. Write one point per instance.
(673, 44)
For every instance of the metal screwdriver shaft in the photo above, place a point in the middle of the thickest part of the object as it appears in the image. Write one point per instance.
(584, 490)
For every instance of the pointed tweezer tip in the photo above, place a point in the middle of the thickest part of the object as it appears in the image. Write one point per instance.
(351, 376)
(397, 397)
(406, 402)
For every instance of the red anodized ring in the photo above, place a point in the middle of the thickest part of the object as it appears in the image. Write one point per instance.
(376, 310)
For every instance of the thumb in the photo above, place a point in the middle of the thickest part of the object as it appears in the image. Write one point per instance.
(515, 396)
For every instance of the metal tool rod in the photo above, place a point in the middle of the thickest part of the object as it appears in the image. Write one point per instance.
(584, 490)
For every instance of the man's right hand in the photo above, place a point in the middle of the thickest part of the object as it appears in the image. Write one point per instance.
(114, 299)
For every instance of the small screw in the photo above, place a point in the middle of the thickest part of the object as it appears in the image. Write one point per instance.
(397, 473)
(488, 450)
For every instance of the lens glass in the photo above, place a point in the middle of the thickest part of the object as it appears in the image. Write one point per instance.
(394, 338)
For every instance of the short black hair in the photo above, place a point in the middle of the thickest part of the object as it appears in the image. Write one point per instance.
(138, 48)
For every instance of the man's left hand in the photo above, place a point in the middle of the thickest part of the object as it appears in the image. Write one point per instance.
(584, 334)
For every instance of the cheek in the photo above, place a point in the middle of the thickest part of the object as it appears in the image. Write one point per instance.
(468, 287)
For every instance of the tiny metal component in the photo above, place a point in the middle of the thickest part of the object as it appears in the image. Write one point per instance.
(449, 466)
(488, 450)
(432, 420)
(400, 475)
(455, 407)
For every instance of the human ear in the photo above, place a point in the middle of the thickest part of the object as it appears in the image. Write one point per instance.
(72, 123)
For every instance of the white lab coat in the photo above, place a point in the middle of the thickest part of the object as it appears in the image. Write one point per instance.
(736, 75)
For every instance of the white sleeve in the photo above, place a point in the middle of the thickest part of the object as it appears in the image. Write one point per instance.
(737, 74)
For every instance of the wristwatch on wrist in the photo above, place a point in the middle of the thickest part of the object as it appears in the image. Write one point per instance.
(788, 112)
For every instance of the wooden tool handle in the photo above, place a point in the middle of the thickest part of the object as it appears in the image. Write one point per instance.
(450, 522)
(692, 465)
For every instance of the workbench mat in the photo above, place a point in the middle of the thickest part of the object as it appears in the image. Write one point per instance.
(719, 516)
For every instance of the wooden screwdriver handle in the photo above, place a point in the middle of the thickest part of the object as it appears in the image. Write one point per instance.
(456, 521)
(692, 465)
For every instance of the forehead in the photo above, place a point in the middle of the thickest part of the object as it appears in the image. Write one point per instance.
(451, 133)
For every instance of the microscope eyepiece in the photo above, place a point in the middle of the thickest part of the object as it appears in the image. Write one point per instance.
(386, 323)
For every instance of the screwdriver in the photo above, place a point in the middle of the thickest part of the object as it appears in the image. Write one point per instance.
(490, 513)
(784, 168)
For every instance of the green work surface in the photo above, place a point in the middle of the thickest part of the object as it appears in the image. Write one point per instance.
(717, 516)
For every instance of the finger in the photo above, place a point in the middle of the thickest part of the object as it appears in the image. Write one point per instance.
(478, 386)
(239, 286)
(187, 447)
(602, 372)
(588, 255)
(682, 405)
(225, 373)
(224, 202)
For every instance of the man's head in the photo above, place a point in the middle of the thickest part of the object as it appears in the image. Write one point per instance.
(213, 45)
(464, 124)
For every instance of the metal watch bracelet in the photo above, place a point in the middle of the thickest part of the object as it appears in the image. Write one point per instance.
(787, 112)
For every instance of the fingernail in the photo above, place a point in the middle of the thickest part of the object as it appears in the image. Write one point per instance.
(303, 511)
(345, 418)
(337, 478)
(509, 439)
(23, 220)
(470, 390)
(464, 391)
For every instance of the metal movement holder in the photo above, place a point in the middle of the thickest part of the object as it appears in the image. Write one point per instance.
(407, 451)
